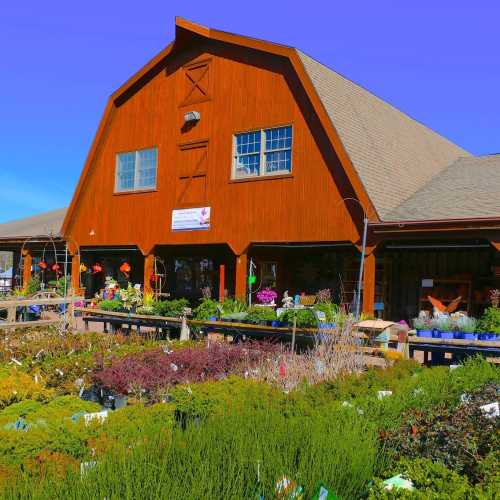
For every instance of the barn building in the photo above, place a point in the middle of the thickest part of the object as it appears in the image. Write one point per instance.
(226, 157)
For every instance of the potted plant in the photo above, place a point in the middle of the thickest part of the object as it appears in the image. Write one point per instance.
(305, 318)
(267, 297)
(467, 328)
(422, 327)
(259, 315)
(443, 327)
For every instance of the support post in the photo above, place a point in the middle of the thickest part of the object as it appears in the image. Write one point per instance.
(75, 274)
(222, 282)
(27, 262)
(241, 276)
(149, 262)
(369, 284)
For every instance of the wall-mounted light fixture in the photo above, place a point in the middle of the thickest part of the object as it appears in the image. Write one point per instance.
(192, 116)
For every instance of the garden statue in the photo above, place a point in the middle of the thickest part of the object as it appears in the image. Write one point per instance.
(287, 300)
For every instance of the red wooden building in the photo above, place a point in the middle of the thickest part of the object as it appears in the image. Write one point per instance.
(224, 149)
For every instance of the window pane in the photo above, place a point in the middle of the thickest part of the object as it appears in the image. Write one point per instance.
(147, 168)
(125, 172)
(279, 161)
(278, 138)
(247, 165)
(248, 143)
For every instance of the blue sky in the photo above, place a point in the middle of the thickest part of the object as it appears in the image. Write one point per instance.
(59, 61)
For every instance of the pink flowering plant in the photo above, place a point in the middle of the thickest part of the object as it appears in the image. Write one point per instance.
(266, 296)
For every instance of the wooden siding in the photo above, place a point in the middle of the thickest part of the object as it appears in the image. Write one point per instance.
(239, 89)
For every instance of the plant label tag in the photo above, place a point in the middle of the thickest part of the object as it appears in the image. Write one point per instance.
(383, 394)
(454, 367)
(427, 283)
(491, 410)
(100, 416)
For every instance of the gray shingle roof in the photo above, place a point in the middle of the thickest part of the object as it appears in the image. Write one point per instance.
(468, 188)
(394, 155)
(44, 224)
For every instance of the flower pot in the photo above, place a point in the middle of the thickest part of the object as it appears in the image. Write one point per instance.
(487, 336)
(212, 318)
(424, 333)
(468, 336)
(446, 335)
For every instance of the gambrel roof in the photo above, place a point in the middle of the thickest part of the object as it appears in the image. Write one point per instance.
(387, 156)
(393, 154)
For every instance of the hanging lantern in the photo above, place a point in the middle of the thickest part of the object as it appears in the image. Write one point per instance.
(83, 268)
(125, 269)
(96, 268)
(42, 265)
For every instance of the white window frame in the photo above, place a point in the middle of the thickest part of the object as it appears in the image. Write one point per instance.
(135, 187)
(262, 156)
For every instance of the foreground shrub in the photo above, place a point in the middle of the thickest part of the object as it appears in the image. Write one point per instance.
(222, 459)
(459, 437)
(151, 371)
(18, 386)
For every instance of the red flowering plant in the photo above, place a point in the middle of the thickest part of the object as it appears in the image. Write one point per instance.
(147, 373)
(267, 296)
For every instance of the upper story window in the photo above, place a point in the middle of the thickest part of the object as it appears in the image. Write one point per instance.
(262, 152)
(136, 170)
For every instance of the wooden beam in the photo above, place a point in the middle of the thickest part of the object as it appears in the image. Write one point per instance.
(27, 262)
(75, 273)
(149, 262)
(222, 282)
(369, 284)
(241, 276)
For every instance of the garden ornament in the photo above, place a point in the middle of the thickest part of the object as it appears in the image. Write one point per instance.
(287, 300)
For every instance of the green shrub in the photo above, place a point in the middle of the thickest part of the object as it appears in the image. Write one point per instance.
(432, 480)
(110, 305)
(260, 314)
(170, 308)
(206, 309)
(219, 459)
(329, 309)
(490, 321)
(231, 306)
(305, 318)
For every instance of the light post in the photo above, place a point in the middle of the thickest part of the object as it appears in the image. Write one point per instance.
(363, 252)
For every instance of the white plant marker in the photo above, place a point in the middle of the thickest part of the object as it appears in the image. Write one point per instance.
(492, 410)
(383, 394)
(100, 416)
(454, 367)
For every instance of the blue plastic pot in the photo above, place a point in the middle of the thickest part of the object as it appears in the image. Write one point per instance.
(468, 336)
(277, 324)
(424, 333)
(488, 336)
(212, 318)
(327, 326)
(446, 335)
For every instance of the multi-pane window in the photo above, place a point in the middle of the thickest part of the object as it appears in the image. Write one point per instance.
(136, 170)
(263, 152)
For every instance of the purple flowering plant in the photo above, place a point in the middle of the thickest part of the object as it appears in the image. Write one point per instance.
(266, 296)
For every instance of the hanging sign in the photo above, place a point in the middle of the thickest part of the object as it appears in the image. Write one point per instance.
(191, 219)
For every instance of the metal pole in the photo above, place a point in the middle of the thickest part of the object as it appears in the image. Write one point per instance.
(361, 267)
(249, 283)
(66, 282)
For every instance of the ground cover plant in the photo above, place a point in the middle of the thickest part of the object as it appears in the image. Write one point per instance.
(232, 420)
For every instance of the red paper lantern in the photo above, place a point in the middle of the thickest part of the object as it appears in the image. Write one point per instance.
(96, 268)
(56, 267)
(125, 268)
(42, 265)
